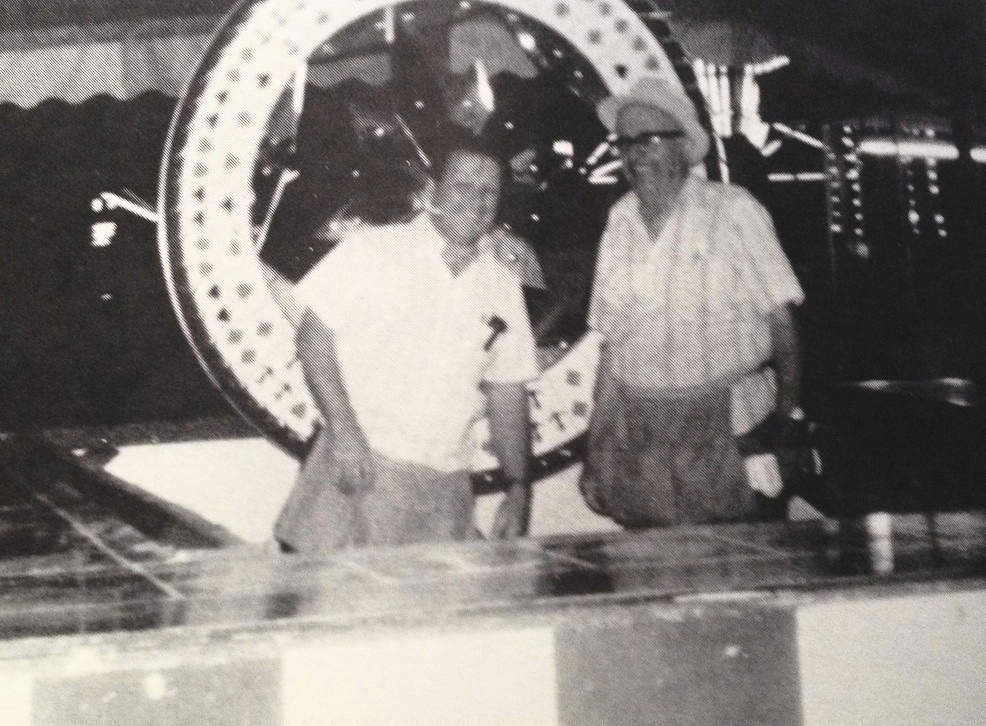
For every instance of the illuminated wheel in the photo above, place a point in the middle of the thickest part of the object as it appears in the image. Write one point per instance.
(209, 198)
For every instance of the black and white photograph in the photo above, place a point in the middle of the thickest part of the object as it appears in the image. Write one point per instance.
(707, 448)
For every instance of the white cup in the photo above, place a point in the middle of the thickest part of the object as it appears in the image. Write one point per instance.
(879, 530)
(878, 525)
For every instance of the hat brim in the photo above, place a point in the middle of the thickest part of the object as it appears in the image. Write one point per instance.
(697, 137)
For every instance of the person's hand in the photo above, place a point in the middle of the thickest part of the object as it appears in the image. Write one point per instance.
(513, 516)
(600, 429)
(607, 431)
(352, 463)
(589, 484)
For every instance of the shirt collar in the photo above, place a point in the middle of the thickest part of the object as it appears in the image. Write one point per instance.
(435, 244)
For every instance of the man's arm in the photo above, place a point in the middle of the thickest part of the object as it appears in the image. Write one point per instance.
(604, 393)
(792, 450)
(352, 469)
(787, 361)
(510, 436)
(777, 291)
(606, 415)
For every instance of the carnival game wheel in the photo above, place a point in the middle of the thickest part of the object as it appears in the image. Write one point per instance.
(213, 209)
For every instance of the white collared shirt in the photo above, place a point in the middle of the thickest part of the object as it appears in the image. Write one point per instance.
(415, 341)
(692, 306)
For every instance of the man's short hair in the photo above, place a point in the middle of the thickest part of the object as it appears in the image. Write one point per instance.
(460, 141)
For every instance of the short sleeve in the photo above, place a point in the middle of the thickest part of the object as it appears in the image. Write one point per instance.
(513, 354)
(768, 269)
(334, 288)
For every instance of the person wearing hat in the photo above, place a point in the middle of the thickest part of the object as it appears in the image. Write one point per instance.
(693, 297)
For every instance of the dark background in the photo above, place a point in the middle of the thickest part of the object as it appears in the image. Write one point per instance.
(70, 355)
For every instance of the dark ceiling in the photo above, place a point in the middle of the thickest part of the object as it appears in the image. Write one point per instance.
(934, 47)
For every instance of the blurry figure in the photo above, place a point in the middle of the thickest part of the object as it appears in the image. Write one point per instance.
(407, 334)
(356, 161)
(485, 34)
(471, 100)
(325, 157)
(392, 174)
(693, 296)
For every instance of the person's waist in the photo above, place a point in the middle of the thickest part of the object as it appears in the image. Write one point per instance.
(644, 382)
(440, 460)
(446, 452)
(683, 369)
(401, 463)
(417, 414)
(667, 392)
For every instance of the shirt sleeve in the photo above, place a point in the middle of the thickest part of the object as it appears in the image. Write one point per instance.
(336, 287)
(600, 276)
(768, 269)
(513, 354)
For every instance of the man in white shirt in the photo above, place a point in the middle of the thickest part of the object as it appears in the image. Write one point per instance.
(693, 296)
(409, 334)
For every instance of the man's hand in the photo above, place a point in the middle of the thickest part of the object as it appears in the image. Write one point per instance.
(513, 517)
(507, 407)
(352, 470)
(607, 430)
(350, 461)
(607, 437)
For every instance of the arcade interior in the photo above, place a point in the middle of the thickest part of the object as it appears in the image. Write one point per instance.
(153, 411)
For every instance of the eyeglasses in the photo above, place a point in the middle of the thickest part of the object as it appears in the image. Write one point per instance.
(623, 143)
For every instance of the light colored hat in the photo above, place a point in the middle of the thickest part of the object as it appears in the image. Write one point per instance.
(658, 93)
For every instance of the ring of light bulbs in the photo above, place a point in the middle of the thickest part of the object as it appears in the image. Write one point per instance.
(206, 234)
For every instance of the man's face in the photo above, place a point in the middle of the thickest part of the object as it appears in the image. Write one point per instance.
(467, 197)
(652, 145)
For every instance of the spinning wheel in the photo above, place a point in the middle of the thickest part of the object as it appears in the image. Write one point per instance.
(209, 200)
